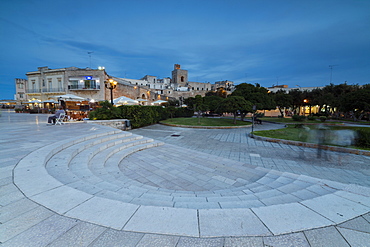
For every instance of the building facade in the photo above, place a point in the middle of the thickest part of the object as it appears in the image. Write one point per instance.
(88, 83)
(45, 83)
(21, 90)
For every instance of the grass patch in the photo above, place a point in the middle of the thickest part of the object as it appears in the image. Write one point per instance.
(205, 122)
(290, 120)
(300, 134)
(288, 133)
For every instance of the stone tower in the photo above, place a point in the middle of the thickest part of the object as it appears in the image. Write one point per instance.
(180, 76)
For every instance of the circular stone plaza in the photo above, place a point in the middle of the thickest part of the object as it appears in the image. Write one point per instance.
(82, 184)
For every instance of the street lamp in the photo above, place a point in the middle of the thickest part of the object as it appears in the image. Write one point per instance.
(110, 84)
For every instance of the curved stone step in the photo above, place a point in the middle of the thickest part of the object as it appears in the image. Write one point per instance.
(142, 207)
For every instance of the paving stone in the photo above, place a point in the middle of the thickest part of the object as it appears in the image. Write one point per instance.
(280, 219)
(117, 238)
(355, 238)
(104, 212)
(230, 222)
(163, 220)
(288, 240)
(200, 242)
(43, 233)
(335, 208)
(364, 200)
(366, 217)
(71, 198)
(304, 194)
(82, 234)
(285, 198)
(359, 224)
(245, 242)
(23, 222)
(150, 240)
(16, 209)
(327, 236)
(227, 164)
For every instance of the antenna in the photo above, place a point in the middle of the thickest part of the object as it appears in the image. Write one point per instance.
(90, 52)
(331, 71)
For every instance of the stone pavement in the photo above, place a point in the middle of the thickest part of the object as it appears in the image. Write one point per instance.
(88, 185)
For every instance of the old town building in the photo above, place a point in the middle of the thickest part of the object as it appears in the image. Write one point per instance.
(45, 83)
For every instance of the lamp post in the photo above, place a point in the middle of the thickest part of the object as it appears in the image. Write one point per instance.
(110, 84)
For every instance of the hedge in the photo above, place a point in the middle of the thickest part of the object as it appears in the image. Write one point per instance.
(138, 115)
(363, 138)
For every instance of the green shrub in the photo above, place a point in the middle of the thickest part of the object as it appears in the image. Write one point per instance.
(105, 112)
(311, 118)
(363, 138)
(322, 118)
(139, 116)
(143, 115)
(299, 118)
(184, 112)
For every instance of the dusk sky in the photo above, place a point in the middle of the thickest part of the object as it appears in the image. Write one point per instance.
(290, 42)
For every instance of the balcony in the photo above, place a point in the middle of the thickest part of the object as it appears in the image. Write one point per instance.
(33, 90)
(81, 87)
(45, 90)
(53, 90)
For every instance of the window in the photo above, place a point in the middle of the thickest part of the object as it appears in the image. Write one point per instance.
(20, 85)
(73, 84)
(50, 83)
(60, 83)
(182, 79)
(21, 95)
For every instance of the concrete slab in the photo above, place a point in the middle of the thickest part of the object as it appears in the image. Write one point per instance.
(43, 233)
(355, 238)
(286, 218)
(230, 222)
(327, 236)
(358, 224)
(288, 240)
(335, 208)
(158, 240)
(61, 199)
(82, 234)
(364, 200)
(105, 212)
(164, 220)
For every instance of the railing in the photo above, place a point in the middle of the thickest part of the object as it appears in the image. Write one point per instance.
(33, 90)
(49, 90)
(45, 90)
(81, 87)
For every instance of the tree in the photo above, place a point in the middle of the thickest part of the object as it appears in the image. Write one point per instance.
(297, 99)
(220, 92)
(258, 95)
(357, 102)
(235, 104)
(213, 103)
(282, 100)
(197, 105)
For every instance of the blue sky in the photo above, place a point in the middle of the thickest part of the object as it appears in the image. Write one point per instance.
(289, 42)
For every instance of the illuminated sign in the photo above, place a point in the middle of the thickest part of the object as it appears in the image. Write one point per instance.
(88, 77)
